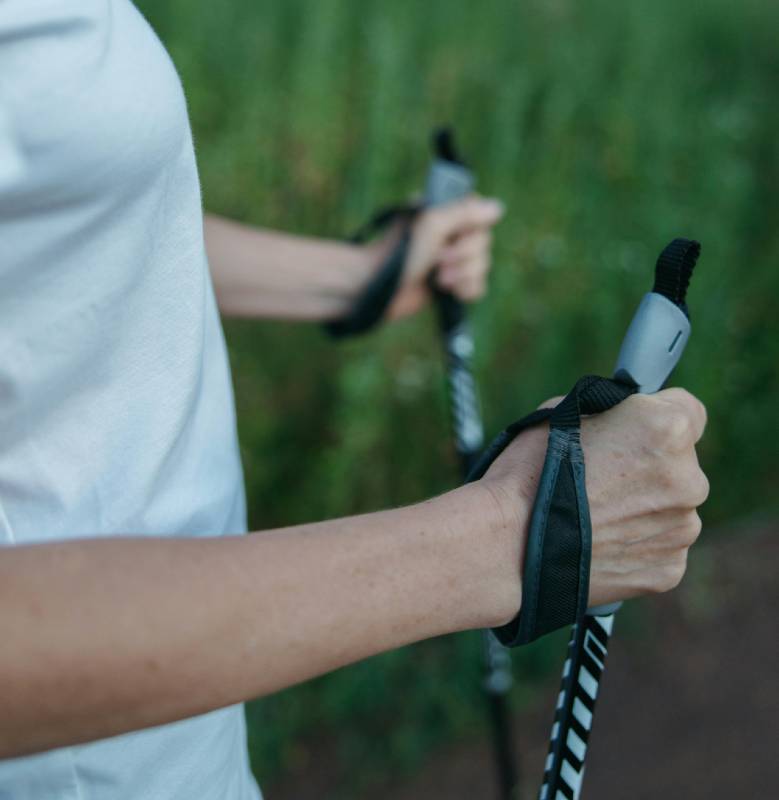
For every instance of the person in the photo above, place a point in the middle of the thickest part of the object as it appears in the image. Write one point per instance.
(135, 618)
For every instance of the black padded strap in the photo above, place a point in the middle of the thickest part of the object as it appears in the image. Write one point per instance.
(555, 578)
(375, 298)
(382, 219)
(372, 304)
(504, 439)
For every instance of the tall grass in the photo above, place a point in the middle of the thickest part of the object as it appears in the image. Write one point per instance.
(608, 129)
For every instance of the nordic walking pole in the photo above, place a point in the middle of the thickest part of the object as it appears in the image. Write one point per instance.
(651, 349)
(449, 179)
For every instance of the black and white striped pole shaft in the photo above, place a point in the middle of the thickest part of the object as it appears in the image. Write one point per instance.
(447, 180)
(651, 349)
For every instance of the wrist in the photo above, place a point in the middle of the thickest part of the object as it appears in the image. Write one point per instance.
(493, 524)
(378, 250)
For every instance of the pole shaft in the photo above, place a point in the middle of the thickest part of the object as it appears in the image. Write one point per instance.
(584, 665)
(448, 180)
(468, 433)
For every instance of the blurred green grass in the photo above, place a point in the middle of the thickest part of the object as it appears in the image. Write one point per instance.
(608, 129)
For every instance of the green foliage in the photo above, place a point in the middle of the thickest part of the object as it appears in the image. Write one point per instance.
(608, 129)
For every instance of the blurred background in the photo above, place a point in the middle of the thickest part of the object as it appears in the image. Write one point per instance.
(608, 129)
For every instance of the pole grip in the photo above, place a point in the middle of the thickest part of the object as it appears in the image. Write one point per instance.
(449, 180)
(446, 182)
(657, 335)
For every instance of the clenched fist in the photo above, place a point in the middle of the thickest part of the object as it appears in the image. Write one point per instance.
(644, 485)
(454, 240)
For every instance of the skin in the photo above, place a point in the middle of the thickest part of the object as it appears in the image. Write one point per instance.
(112, 635)
(262, 273)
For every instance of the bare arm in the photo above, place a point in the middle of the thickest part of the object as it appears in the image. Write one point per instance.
(263, 273)
(105, 636)
(269, 274)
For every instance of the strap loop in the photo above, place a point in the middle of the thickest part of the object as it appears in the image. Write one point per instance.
(372, 304)
(556, 572)
(591, 395)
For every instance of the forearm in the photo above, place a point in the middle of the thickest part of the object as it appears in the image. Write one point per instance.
(106, 636)
(260, 273)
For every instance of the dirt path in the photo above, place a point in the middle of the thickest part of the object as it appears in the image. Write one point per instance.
(689, 710)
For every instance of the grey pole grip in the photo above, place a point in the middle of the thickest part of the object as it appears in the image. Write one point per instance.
(652, 347)
(447, 181)
(653, 344)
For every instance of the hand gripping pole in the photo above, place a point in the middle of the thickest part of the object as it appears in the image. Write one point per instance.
(650, 350)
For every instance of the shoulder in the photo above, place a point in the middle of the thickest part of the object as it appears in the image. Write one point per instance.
(88, 90)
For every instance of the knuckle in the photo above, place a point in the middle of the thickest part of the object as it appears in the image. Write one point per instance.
(700, 407)
(469, 268)
(694, 487)
(677, 571)
(689, 404)
(669, 427)
(670, 576)
(481, 266)
(704, 412)
(435, 220)
(690, 529)
(679, 395)
(470, 290)
(653, 414)
(702, 488)
(679, 429)
(471, 206)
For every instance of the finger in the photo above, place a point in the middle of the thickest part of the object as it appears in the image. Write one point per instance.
(694, 410)
(471, 213)
(408, 301)
(476, 268)
(698, 485)
(669, 529)
(470, 288)
(468, 246)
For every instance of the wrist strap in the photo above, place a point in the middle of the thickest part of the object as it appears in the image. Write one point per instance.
(556, 574)
(448, 179)
(372, 303)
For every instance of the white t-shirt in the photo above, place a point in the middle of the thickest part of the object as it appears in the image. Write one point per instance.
(116, 408)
